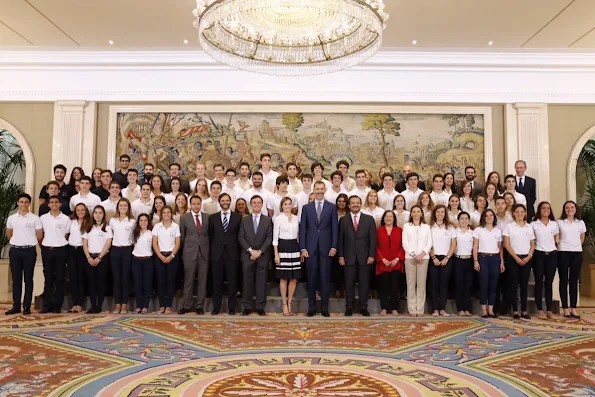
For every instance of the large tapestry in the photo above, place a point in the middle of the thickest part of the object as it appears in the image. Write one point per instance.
(431, 143)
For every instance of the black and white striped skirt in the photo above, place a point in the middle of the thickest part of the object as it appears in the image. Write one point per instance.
(290, 266)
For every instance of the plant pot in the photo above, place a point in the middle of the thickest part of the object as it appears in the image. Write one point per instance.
(6, 284)
(588, 280)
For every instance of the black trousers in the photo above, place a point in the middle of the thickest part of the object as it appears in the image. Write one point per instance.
(518, 276)
(142, 270)
(96, 276)
(225, 268)
(54, 270)
(77, 262)
(389, 283)
(121, 259)
(351, 275)
(544, 265)
(439, 279)
(464, 281)
(22, 265)
(501, 306)
(569, 262)
(166, 280)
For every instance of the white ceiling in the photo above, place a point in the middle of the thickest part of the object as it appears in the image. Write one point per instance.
(435, 24)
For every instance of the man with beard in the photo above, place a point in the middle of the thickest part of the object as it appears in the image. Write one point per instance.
(257, 189)
(121, 176)
(476, 187)
(66, 190)
(148, 171)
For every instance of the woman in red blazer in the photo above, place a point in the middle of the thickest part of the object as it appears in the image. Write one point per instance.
(390, 259)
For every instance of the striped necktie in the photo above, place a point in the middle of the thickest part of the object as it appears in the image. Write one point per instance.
(225, 221)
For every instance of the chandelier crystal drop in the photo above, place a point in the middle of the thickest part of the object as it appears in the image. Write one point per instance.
(290, 37)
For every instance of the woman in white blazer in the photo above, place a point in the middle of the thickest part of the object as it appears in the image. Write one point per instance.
(417, 243)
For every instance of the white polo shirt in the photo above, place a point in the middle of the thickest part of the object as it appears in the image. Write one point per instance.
(248, 194)
(55, 229)
(402, 218)
(140, 207)
(295, 186)
(91, 200)
(348, 183)
(131, 195)
(235, 193)
(474, 218)
(110, 207)
(244, 185)
(166, 236)
(361, 193)
(453, 218)
(376, 214)
(442, 239)
(331, 195)
(570, 235)
(269, 180)
(302, 199)
(122, 231)
(144, 245)
(464, 242)
(385, 199)
(274, 202)
(545, 240)
(520, 237)
(519, 198)
(97, 238)
(24, 229)
(210, 206)
(411, 197)
(467, 205)
(440, 198)
(75, 238)
(501, 223)
(488, 241)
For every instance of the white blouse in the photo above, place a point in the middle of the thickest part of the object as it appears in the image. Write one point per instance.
(417, 239)
(488, 240)
(97, 238)
(467, 205)
(285, 229)
(402, 218)
(545, 235)
(75, 238)
(166, 236)
(144, 245)
(570, 235)
(520, 237)
(442, 239)
(464, 242)
(122, 231)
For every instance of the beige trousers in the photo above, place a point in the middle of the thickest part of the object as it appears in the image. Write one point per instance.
(416, 285)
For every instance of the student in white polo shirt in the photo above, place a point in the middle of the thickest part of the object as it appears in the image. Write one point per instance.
(166, 244)
(361, 188)
(122, 225)
(519, 241)
(84, 195)
(110, 205)
(387, 195)
(97, 240)
(132, 190)
(77, 262)
(412, 192)
(24, 231)
(256, 189)
(273, 203)
(488, 260)
(142, 262)
(545, 259)
(438, 195)
(570, 255)
(54, 251)
(444, 243)
(463, 264)
(336, 188)
(144, 205)
(510, 183)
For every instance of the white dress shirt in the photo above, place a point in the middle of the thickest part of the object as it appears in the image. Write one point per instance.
(24, 229)
(417, 239)
(91, 200)
(474, 218)
(284, 229)
(144, 245)
(111, 208)
(348, 184)
(140, 207)
(570, 235)
(520, 237)
(411, 197)
(442, 239)
(295, 186)
(331, 195)
(376, 214)
(501, 223)
(545, 235)
(122, 231)
(464, 242)
(361, 193)
(75, 238)
(166, 236)
(385, 199)
(263, 193)
(269, 180)
(244, 185)
(274, 202)
(131, 195)
(488, 241)
(211, 205)
(235, 193)
(440, 198)
(97, 238)
(55, 229)
(302, 199)
(467, 205)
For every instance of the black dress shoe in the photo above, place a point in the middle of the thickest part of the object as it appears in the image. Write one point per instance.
(568, 315)
(310, 314)
(364, 313)
(14, 310)
(526, 316)
(91, 311)
(575, 316)
(27, 311)
(232, 312)
(246, 312)
(516, 316)
(485, 315)
(261, 312)
(183, 311)
(200, 311)
(348, 313)
(493, 315)
(214, 312)
(45, 310)
(57, 311)
(326, 314)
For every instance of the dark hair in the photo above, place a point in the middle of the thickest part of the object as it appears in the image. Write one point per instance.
(344, 197)
(354, 196)
(129, 212)
(457, 197)
(360, 171)
(114, 183)
(516, 206)
(404, 201)
(93, 222)
(283, 201)
(484, 197)
(263, 155)
(149, 165)
(60, 167)
(577, 215)
(438, 176)
(319, 183)
(195, 196)
(307, 176)
(482, 218)
(88, 179)
(511, 195)
(422, 220)
(451, 174)
(54, 197)
(124, 156)
(154, 210)
(316, 164)
(174, 178)
(463, 183)
(146, 183)
(382, 223)
(496, 193)
(499, 198)
(257, 173)
(411, 175)
(463, 213)
(86, 218)
(339, 173)
(257, 196)
(244, 163)
(223, 195)
(446, 220)
(469, 167)
(136, 230)
(290, 164)
(499, 186)
(52, 183)
(538, 212)
(245, 203)
(342, 162)
(281, 179)
(162, 188)
(231, 170)
(106, 171)
(175, 165)
(387, 174)
(72, 180)
(215, 182)
(133, 170)
(24, 195)
(509, 176)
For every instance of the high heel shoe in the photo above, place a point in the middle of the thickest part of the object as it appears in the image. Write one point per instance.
(286, 310)
(291, 313)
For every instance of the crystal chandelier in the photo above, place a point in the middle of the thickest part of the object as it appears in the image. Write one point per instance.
(290, 37)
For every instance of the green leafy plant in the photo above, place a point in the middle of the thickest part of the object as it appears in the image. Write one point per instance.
(586, 202)
(12, 160)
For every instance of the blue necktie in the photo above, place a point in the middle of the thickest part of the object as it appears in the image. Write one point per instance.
(225, 222)
(521, 183)
(256, 217)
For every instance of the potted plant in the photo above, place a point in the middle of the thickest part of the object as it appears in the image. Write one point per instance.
(586, 203)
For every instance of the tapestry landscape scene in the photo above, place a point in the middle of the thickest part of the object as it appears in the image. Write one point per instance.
(432, 143)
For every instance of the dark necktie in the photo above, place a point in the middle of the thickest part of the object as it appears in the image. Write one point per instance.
(198, 224)
(318, 210)
(225, 221)
(521, 183)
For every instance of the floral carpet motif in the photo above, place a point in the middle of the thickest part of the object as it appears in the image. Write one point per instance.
(150, 355)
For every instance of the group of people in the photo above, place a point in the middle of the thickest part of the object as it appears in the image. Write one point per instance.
(146, 231)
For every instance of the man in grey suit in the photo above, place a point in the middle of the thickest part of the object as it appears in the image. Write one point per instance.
(357, 250)
(256, 238)
(194, 227)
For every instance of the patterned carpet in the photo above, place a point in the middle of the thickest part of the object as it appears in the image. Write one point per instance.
(152, 355)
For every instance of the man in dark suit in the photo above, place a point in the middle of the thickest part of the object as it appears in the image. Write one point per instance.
(402, 185)
(476, 187)
(194, 227)
(319, 232)
(224, 227)
(174, 171)
(357, 250)
(256, 239)
(527, 186)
